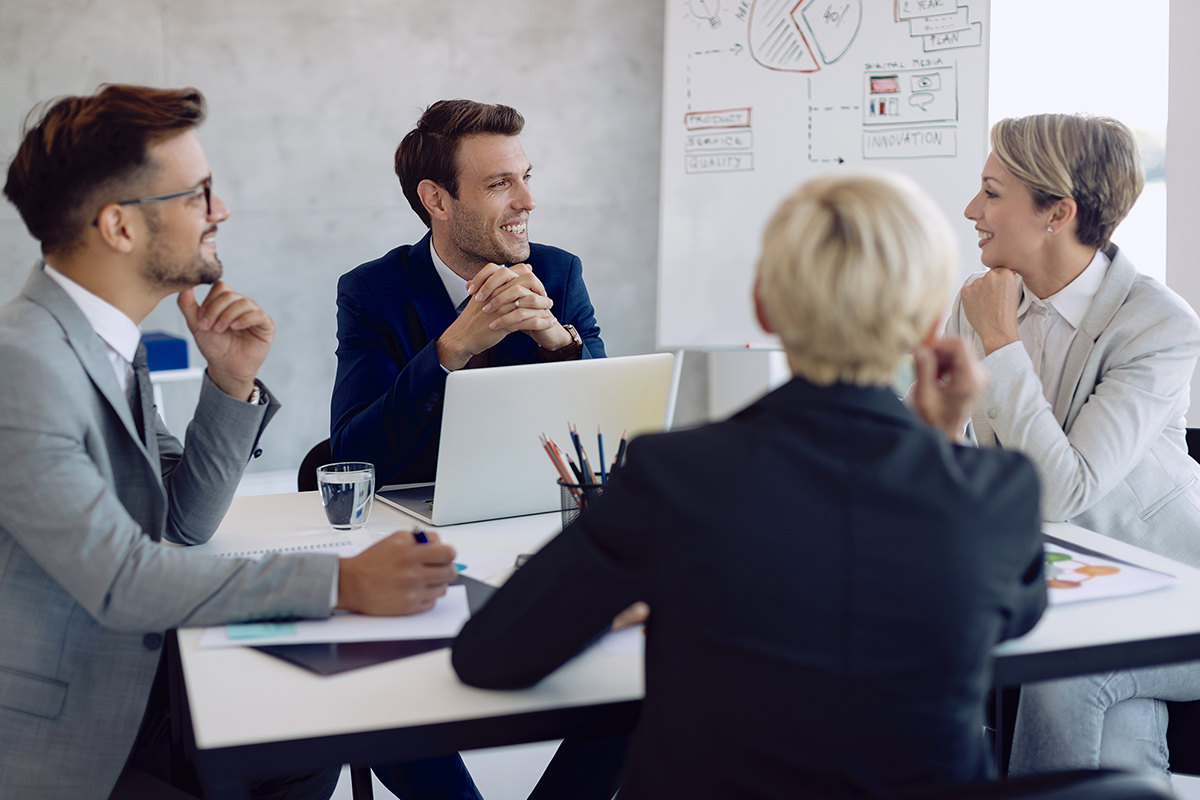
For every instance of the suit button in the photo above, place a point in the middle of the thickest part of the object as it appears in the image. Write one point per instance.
(991, 413)
(257, 452)
(152, 641)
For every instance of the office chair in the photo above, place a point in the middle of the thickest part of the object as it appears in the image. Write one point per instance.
(1183, 727)
(1078, 785)
(320, 455)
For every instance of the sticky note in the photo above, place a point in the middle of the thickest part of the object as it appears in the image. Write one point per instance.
(251, 630)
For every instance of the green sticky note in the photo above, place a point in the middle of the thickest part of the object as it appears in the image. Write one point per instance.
(1052, 557)
(253, 630)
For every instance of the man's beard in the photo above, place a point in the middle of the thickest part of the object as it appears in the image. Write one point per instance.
(164, 269)
(476, 239)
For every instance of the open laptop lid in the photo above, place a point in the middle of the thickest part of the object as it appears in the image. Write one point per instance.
(490, 460)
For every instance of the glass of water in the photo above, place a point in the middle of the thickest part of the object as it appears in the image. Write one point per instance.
(347, 489)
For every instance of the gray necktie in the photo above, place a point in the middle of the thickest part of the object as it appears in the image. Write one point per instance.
(141, 394)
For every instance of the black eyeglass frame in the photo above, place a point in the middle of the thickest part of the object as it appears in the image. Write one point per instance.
(205, 189)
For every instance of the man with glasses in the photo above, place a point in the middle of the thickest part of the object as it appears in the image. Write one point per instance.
(116, 188)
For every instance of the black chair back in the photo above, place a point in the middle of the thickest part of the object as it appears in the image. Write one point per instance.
(320, 455)
(1183, 726)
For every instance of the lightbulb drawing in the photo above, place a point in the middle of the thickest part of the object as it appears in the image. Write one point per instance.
(706, 9)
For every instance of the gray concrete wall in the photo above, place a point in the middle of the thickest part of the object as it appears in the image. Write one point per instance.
(308, 100)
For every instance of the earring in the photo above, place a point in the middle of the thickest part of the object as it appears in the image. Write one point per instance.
(1049, 230)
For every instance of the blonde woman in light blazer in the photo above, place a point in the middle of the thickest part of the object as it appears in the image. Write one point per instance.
(1090, 365)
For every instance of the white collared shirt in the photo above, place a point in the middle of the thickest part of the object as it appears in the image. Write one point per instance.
(119, 333)
(456, 287)
(1047, 327)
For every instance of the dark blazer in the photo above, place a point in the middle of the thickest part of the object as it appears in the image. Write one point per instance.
(387, 397)
(827, 578)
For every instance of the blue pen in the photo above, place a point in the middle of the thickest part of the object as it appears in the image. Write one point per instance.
(420, 536)
(600, 446)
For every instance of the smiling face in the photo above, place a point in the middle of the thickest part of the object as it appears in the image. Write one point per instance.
(488, 221)
(1012, 231)
(182, 250)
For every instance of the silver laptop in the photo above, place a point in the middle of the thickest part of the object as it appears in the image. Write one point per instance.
(490, 458)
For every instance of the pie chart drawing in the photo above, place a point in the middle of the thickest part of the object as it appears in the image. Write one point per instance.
(833, 23)
(776, 41)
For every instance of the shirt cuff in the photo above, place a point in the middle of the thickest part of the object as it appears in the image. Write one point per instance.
(333, 590)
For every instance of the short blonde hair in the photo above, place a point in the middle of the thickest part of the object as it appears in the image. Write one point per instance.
(854, 272)
(1093, 160)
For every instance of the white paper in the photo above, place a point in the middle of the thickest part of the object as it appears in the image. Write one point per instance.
(627, 641)
(1072, 576)
(443, 621)
(482, 566)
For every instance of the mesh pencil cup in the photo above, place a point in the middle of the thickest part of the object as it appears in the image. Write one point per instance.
(574, 498)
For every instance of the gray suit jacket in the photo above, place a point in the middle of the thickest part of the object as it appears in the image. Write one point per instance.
(1111, 451)
(86, 586)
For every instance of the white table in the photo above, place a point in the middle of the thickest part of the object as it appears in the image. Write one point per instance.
(1153, 628)
(252, 714)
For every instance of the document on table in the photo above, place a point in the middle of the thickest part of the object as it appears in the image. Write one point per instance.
(443, 621)
(1076, 573)
(627, 641)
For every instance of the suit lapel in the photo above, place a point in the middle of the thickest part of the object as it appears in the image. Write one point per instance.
(1118, 280)
(430, 300)
(87, 346)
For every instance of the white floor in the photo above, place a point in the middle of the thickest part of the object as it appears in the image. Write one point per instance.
(501, 773)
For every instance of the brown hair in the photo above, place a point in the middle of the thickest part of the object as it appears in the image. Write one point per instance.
(1093, 160)
(78, 153)
(429, 151)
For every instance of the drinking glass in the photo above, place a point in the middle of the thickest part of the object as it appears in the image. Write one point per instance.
(347, 489)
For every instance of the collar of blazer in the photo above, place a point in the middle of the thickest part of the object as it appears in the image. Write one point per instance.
(799, 394)
(429, 293)
(83, 340)
(1111, 294)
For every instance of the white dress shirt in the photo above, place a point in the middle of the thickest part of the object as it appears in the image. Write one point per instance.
(1047, 327)
(456, 287)
(119, 333)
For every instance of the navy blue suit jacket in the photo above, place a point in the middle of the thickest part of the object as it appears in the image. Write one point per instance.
(827, 579)
(387, 397)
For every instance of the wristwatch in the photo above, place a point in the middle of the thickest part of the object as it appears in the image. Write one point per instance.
(569, 352)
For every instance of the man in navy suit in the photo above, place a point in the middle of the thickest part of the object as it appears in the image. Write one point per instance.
(473, 292)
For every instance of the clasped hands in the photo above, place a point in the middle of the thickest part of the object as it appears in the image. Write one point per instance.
(503, 300)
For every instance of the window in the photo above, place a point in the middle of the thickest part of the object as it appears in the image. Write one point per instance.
(1104, 57)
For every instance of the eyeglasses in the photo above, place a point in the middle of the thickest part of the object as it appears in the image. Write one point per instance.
(204, 189)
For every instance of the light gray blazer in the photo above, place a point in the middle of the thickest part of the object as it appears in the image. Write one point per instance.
(86, 586)
(1111, 451)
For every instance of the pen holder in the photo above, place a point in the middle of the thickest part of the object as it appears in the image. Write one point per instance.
(574, 499)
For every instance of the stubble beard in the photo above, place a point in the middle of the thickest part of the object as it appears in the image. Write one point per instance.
(166, 270)
(478, 242)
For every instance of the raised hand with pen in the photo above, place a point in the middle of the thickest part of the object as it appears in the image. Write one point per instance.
(396, 576)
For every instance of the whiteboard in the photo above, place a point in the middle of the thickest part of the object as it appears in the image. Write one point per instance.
(760, 95)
